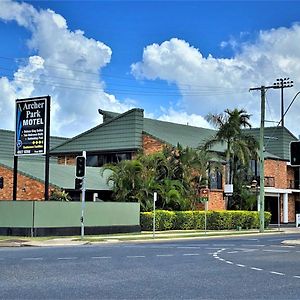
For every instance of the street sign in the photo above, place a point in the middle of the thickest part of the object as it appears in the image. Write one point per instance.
(31, 126)
(204, 194)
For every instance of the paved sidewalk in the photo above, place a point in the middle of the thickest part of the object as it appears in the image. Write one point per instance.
(142, 237)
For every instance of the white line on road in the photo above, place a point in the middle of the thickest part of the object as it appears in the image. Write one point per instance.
(136, 256)
(223, 245)
(101, 257)
(256, 269)
(277, 273)
(279, 251)
(32, 258)
(164, 255)
(66, 258)
(229, 262)
(239, 265)
(189, 247)
(232, 252)
(245, 245)
(212, 248)
(296, 276)
(190, 254)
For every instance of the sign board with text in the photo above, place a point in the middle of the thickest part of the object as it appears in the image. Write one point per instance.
(204, 194)
(31, 129)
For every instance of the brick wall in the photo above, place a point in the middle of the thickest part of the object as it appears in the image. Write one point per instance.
(291, 206)
(151, 145)
(278, 170)
(28, 188)
(216, 200)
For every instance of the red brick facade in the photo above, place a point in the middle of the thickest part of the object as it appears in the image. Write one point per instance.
(151, 145)
(283, 178)
(28, 188)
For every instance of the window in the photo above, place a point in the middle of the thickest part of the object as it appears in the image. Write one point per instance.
(98, 160)
(215, 180)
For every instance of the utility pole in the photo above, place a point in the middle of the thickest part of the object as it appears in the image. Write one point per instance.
(282, 83)
(261, 157)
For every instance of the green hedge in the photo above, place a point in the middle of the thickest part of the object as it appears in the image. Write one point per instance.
(216, 220)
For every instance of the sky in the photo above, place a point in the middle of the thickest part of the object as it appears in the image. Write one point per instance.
(177, 60)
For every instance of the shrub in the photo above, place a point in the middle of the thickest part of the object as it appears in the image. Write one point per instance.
(216, 220)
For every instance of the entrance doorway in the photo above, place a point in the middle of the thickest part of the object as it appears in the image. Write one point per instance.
(271, 205)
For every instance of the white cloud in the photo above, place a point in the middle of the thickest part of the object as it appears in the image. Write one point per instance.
(66, 66)
(182, 117)
(210, 84)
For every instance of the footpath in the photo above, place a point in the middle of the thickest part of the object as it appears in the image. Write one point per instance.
(143, 237)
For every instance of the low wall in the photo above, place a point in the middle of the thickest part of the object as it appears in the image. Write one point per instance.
(42, 218)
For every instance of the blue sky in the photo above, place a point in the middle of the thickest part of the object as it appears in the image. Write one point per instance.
(178, 60)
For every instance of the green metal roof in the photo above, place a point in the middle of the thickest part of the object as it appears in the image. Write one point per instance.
(277, 141)
(62, 176)
(173, 133)
(185, 135)
(122, 132)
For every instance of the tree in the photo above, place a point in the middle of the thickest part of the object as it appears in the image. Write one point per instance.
(240, 147)
(174, 173)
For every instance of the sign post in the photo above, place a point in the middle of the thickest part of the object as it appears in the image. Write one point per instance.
(32, 134)
(204, 196)
(154, 200)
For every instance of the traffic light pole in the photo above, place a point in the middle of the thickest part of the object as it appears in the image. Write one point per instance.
(83, 201)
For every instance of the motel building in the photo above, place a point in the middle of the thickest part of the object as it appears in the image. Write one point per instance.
(121, 136)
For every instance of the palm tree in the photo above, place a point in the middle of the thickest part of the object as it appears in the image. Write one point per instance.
(240, 147)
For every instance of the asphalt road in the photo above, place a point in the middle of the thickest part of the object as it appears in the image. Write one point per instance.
(227, 268)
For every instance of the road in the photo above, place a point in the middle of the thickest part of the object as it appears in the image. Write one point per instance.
(223, 268)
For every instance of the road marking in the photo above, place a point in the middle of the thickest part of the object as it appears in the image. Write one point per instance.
(190, 254)
(256, 269)
(32, 258)
(189, 247)
(286, 246)
(232, 252)
(296, 276)
(239, 265)
(277, 273)
(212, 248)
(279, 251)
(244, 245)
(66, 258)
(136, 256)
(164, 255)
(229, 262)
(223, 245)
(101, 257)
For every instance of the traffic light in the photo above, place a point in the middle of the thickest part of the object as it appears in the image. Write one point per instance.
(78, 184)
(295, 153)
(80, 166)
(1, 182)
